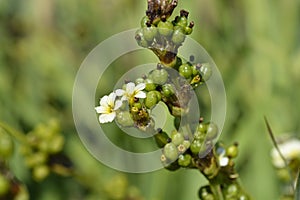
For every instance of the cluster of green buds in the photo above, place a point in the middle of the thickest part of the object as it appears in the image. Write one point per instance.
(222, 175)
(164, 36)
(42, 150)
(181, 149)
(172, 82)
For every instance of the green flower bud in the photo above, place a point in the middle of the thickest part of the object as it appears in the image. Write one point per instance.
(168, 90)
(177, 138)
(212, 131)
(232, 191)
(159, 76)
(165, 28)
(4, 185)
(56, 144)
(199, 136)
(182, 21)
(40, 172)
(196, 146)
(36, 158)
(186, 144)
(170, 151)
(205, 193)
(138, 105)
(178, 37)
(151, 99)
(185, 70)
(158, 95)
(202, 128)
(188, 30)
(232, 151)
(144, 21)
(184, 160)
(149, 85)
(6, 145)
(205, 71)
(161, 138)
(149, 33)
(139, 80)
(139, 36)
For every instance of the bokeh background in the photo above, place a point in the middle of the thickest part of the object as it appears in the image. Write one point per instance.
(255, 44)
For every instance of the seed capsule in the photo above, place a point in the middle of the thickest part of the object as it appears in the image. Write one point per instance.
(177, 138)
(178, 37)
(139, 36)
(149, 85)
(144, 21)
(151, 99)
(182, 21)
(188, 30)
(170, 151)
(165, 28)
(159, 76)
(196, 146)
(232, 151)
(149, 33)
(167, 90)
(185, 71)
(161, 138)
(184, 160)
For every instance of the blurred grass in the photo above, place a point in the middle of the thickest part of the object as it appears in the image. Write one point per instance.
(254, 43)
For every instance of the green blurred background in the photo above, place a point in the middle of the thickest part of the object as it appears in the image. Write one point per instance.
(255, 44)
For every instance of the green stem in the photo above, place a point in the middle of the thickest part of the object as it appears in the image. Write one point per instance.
(14, 133)
(216, 190)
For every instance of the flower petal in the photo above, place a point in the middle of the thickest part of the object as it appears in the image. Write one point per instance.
(111, 99)
(224, 161)
(140, 95)
(140, 87)
(118, 104)
(103, 100)
(105, 118)
(120, 92)
(130, 88)
(124, 98)
(102, 109)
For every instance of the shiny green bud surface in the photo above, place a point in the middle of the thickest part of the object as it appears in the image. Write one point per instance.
(151, 99)
(165, 28)
(170, 151)
(159, 76)
(185, 70)
(149, 85)
(184, 160)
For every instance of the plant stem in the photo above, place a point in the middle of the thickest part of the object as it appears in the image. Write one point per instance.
(14, 133)
(216, 190)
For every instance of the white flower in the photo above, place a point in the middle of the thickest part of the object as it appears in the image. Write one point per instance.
(132, 91)
(289, 149)
(108, 107)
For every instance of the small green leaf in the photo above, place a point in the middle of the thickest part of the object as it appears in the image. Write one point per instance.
(297, 192)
